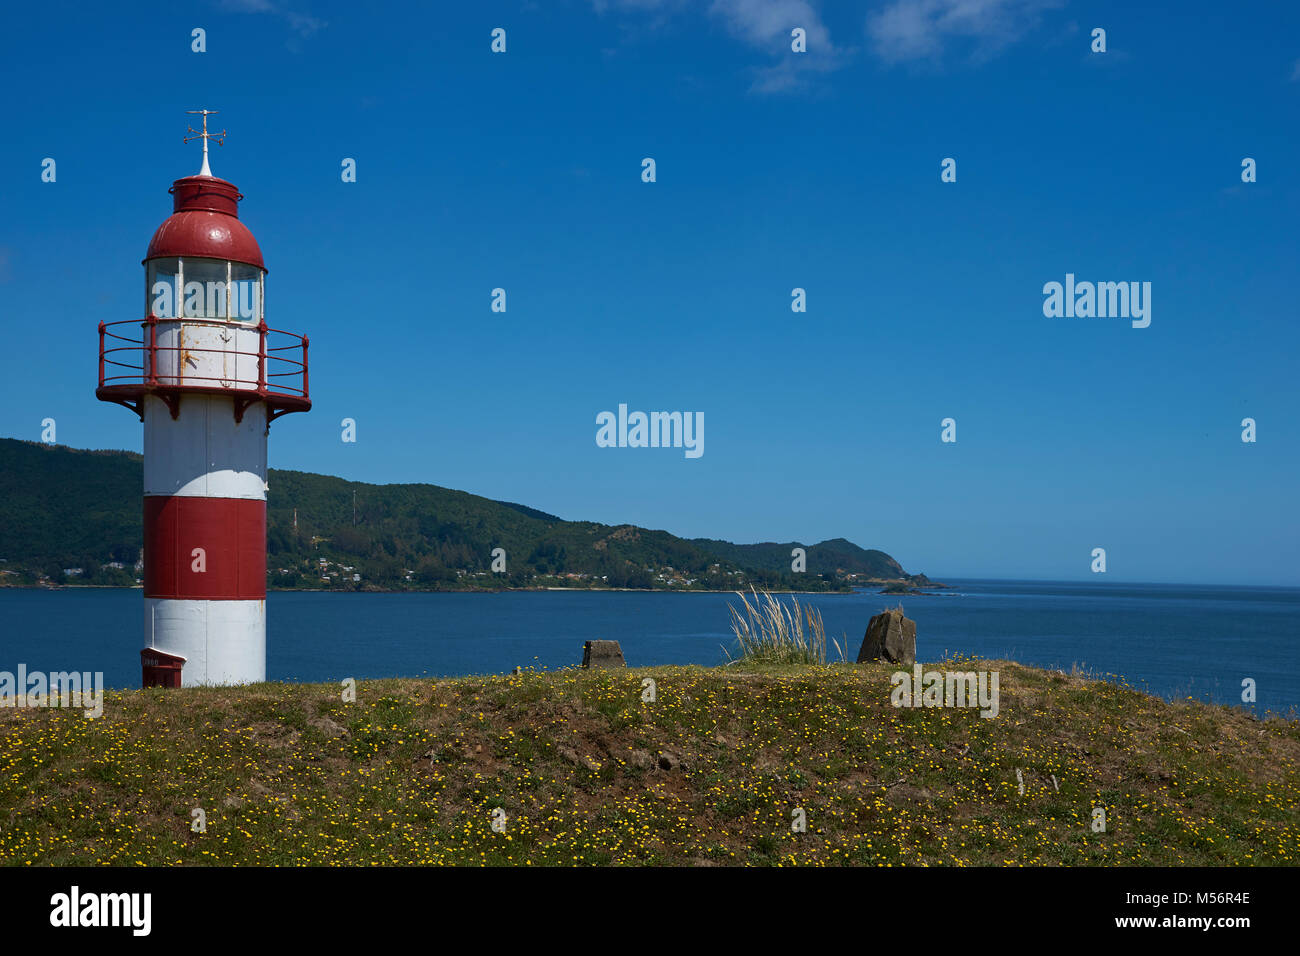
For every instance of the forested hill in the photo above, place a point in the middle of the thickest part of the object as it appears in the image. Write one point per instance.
(64, 509)
(836, 556)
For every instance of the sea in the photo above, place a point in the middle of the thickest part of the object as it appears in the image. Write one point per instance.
(1173, 641)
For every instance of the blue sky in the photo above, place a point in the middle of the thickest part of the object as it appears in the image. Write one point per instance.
(775, 170)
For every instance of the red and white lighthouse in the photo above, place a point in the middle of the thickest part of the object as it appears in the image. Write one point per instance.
(207, 376)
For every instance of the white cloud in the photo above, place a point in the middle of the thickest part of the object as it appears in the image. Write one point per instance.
(1295, 71)
(302, 24)
(767, 23)
(762, 24)
(923, 29)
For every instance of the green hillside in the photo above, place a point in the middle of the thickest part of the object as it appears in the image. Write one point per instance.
(63, 509)
(836, 556)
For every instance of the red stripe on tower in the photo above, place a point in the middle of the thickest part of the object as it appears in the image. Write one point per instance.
(205, 548)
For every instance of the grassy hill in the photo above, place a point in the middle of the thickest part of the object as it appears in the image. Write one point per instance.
(709, 773)
(63, 508)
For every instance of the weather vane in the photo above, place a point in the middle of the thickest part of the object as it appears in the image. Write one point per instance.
(205, 136)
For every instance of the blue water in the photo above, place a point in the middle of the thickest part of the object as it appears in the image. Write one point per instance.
(1175, 641)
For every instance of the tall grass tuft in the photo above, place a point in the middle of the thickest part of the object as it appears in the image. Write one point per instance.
(772, 632)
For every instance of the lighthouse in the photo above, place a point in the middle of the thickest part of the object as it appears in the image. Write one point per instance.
(206, 376)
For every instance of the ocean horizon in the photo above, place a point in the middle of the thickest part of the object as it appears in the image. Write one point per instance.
(1173, 641)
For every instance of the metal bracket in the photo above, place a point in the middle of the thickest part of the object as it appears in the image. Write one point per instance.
(173, 402)
(241, 406)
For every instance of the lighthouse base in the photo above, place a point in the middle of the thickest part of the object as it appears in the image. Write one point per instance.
(222, 642)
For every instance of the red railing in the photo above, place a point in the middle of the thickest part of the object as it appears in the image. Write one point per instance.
(273, 365)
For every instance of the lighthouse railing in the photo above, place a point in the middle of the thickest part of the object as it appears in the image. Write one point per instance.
(121, 351)
(281, 359)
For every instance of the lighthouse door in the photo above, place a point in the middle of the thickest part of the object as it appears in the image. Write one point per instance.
(204, 355)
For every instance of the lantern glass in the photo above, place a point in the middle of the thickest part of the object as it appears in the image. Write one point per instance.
(204, 294)
(195, 288)
(245, 293)
(161, 278)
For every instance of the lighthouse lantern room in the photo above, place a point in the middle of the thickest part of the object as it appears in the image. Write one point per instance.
(207, 376)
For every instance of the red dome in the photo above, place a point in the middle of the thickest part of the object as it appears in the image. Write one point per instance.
(205, 224)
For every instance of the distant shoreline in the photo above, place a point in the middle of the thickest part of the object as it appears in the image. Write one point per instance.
(869, 588)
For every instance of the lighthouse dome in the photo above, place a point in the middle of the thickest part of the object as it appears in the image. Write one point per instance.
(205, 224)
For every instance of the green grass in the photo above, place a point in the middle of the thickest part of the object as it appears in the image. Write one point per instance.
(709, 773)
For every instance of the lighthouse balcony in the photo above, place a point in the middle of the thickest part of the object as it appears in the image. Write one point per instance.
(170, 357)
